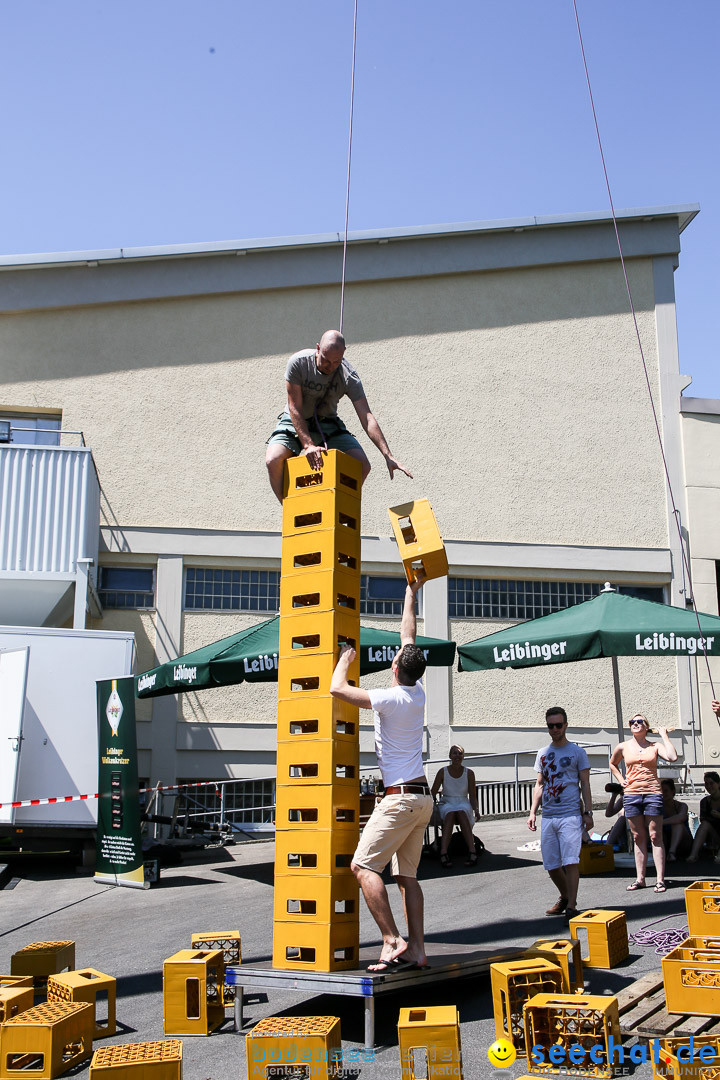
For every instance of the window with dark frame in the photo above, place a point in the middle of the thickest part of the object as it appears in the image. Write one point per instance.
(126, 587)
(493, 598)
(232, 590)
(382, 595)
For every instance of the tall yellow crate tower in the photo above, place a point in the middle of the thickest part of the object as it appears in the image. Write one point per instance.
(316, 916)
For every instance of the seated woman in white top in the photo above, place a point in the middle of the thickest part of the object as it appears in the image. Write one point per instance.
(458, 804)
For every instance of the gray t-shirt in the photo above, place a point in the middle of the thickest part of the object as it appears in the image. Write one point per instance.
(321, 390)
(560, 768)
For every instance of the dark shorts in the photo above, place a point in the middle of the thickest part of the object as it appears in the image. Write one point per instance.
(649, 803)
(334, 433)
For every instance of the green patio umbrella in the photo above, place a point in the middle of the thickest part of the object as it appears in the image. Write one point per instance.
(252, 656)
(608, 625)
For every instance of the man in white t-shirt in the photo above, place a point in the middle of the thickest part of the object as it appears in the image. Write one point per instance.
(397, 824)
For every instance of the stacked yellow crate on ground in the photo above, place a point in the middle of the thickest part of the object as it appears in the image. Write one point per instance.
(316, 916)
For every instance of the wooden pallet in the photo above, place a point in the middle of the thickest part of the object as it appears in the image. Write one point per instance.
(643, 1014)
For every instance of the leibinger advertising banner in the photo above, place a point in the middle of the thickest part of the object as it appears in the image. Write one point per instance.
(119, 848)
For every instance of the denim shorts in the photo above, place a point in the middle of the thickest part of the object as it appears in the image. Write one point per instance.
(649, 803)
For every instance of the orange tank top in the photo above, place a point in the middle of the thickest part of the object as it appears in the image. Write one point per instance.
(641, 769)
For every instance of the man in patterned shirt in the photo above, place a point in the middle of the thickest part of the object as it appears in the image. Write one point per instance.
(562, 771)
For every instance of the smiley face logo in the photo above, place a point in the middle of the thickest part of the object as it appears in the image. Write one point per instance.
(502, 1053)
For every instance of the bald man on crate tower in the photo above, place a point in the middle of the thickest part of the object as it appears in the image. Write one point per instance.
(316, 380)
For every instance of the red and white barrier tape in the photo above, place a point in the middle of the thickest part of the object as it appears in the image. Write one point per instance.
(83, 798)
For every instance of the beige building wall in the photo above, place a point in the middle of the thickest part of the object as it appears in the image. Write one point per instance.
(510, 385)
(701, 441)
(516, 398)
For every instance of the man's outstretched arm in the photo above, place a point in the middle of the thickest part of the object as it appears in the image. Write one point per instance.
(340, 687)
(294, 400)
(374, 433)
(408, 625)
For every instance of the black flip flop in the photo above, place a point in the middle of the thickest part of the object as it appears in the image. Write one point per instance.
(398, 964)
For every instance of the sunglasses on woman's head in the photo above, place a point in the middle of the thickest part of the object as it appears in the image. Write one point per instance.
(637, 723)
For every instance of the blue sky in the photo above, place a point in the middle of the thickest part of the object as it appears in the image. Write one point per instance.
(168, 121)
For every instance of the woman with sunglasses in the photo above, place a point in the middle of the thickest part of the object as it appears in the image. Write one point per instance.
(642, 795)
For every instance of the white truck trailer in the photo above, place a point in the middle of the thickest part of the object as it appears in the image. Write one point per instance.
(48, 729)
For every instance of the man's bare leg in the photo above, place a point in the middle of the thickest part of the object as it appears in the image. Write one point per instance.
(359, 455)
(275, 457)
(572, 877)
(414, 905)
(376, 898)
(557, 876)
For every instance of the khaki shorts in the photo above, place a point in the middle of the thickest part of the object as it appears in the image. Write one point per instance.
(395, 830)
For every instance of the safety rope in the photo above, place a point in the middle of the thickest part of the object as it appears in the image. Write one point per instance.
(661, 940)
(676, 512)
(349, 162)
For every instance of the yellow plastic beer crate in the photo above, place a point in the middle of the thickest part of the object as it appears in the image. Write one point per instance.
(193, 981)
(303, 899)
(513, 984)
(691, 978)
(314, 853)
(680, 1059)
(328, 549)
(14, 1000)
(315, 946)
(596, 858)
(418, 538)
(310, 634)
(322, 590)
(325, 806)
(589, 1021)
(702, 902)
(227, 940)
(318, 511)
(43, 958)
(306, 719)
(309, 1046)
(567, 955)
(429, 1041)
(138, 1061)
(606, 935)
(339, 472)
(307, 675)
(319, 762)
(85, 985)
(711, 944)
(47, 1040)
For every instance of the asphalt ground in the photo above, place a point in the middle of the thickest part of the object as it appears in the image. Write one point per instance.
(500, 904)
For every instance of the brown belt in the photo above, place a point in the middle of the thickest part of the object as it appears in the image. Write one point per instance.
(401, 789)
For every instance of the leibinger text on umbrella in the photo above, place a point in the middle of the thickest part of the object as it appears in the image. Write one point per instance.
(261, 663)
(388, 652)
(146, 682)
(673, 643)
(183, 673)
(546, 651)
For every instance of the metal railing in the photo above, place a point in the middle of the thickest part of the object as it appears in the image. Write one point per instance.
(248, 805)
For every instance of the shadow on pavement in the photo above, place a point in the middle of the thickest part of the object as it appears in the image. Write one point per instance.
(263, 873)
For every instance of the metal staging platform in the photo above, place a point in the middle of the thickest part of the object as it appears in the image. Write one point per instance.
(447, 962)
